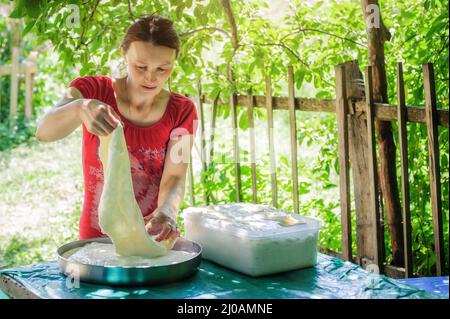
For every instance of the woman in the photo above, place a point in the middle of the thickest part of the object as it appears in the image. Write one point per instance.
(157, 124)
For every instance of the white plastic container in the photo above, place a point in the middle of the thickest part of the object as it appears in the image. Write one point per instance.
(253, 239)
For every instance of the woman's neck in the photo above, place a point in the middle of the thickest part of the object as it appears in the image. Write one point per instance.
(138, 101)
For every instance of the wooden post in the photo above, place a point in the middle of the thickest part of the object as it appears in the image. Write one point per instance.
(191, 181)
(213, 128)
(215, 105)
(293, 133)
(30, 70)
(14, 94)
(435, 175)
(377, 35)
(191, 175)
(373, 178)
(202, 140)
(359, 162)
(251, 126)
(402, 137)
(237, 164)
(273, 168)
(211, 138)
(344, 180)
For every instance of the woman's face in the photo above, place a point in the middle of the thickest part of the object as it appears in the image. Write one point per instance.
(149, 66)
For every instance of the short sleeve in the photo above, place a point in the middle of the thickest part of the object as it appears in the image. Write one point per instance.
(186, 121)
(87, 85)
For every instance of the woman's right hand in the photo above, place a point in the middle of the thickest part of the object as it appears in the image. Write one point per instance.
(99, 118)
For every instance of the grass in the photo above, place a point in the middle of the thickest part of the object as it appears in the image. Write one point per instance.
(41, 195)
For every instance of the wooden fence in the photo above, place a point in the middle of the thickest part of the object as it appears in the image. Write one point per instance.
(356, 112)
(16, 69)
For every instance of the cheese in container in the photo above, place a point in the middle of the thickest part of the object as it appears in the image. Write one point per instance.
(253, 239)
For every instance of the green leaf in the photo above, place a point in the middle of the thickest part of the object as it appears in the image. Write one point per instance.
(299, 75)
(198, 12)
(28, 27)
(243, 121)
(323, 95)
(215, 92)
(34, 8)
(179, 11)
(20, 9)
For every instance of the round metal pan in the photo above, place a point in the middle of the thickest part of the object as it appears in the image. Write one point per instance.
(129, 276)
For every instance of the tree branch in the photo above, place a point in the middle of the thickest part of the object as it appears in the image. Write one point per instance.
(325, 32)
(384, 32)
(206, 28)
(445, 46)
(130, 12)
(279, 45)
(234, 36)
(86, 24)
(94, 37)
(229, 13)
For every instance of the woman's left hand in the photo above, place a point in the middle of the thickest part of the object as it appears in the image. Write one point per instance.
(161, 224)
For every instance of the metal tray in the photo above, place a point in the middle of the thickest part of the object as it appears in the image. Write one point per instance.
(129, 276)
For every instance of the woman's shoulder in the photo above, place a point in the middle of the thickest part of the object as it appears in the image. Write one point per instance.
(183, 108)
(92, 86)
(184, 115)
(181, 101)
(92, 79)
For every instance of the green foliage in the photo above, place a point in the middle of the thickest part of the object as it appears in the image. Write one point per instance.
(311, 36)
(425, 40)
(21, 251)
(21, 133)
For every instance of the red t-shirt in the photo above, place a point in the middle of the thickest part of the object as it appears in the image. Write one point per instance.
(146, 149)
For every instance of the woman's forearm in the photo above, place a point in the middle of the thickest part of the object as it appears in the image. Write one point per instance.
(59, 122)
(171, 194)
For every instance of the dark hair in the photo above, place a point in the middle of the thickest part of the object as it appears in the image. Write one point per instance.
(154, 29)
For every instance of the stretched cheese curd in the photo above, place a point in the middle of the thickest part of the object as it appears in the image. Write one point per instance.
(101, 254)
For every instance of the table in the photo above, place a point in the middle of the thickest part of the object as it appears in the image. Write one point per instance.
(330, 278)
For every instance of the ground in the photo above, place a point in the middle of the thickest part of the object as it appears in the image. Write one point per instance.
(40, 199)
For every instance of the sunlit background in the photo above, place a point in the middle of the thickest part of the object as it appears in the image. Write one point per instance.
(41, 185)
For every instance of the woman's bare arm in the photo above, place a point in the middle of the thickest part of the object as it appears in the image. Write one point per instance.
(63, 119)
(98, 117)
(171, 190)
(172, 185)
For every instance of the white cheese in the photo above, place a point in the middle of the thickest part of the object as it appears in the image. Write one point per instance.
(253, 239)
(100, 254)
